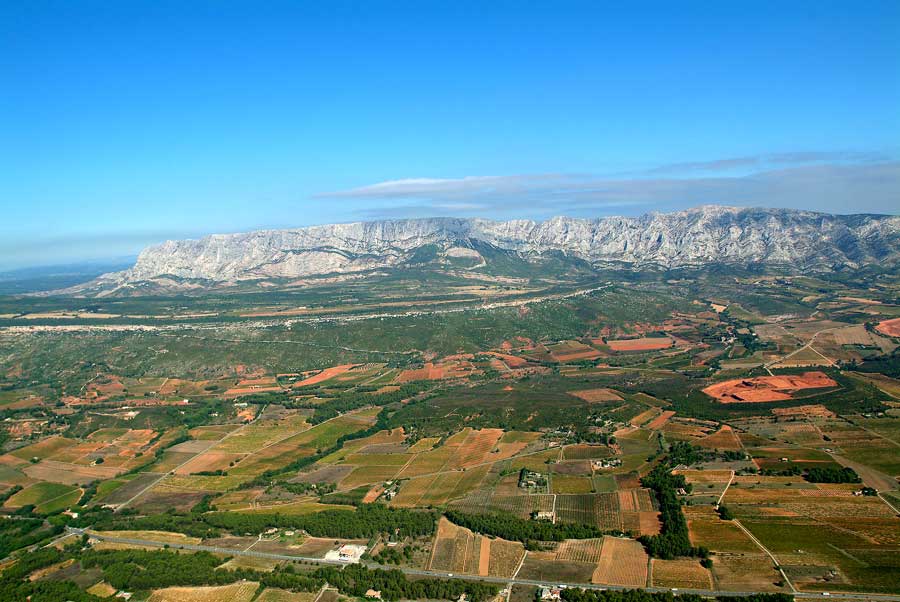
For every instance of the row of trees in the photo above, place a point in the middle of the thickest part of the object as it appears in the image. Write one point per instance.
(832, 474)
(367, 521)
(511, 527)
(673, 539)
(103, 519)
(148, 569)
(634, 595)
(637, 595)
(136, 570)
(356, 579)
(826, 474)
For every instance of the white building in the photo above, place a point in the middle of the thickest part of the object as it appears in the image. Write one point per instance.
(349, 553)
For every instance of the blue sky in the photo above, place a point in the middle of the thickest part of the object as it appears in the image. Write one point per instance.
(126, 123)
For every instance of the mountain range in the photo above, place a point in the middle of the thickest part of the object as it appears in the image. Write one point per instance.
(796, 240)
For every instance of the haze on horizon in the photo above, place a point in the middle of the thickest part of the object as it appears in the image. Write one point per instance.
(125, 124)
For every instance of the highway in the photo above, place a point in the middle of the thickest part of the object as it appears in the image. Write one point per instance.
(504, 581)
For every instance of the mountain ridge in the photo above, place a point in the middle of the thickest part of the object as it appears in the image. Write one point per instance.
(703, 235)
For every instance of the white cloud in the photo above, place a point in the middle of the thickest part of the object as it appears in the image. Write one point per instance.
(847, 184)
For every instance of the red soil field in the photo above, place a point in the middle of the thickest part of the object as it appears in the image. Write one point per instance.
(106, 386)
(453, 366)
(644, 344)
(591, 354)
(889, 327)
(206, 462)
(767, 388)
(649, 522)
(427, 372)
(247, 414)
(477, 445)
(373, 494)
(660, 420)
(724, 438)
(324, 375)
(513, 361)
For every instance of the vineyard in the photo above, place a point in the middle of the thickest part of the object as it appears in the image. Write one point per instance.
(584, 451)
(601, 510)
(482, 500)
(505, 557)
(622, 562)
(476, 447)
(580, 550)
(635, 500)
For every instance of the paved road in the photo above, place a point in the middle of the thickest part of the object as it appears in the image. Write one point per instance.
(486, 579)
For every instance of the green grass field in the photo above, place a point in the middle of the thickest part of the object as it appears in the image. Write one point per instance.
(47, 497)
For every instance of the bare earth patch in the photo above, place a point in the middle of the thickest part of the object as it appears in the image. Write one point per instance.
(767, 388)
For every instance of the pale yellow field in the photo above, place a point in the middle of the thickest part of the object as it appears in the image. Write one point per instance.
(683, 572)
(161, 536)
(622, 562)
(236, 592)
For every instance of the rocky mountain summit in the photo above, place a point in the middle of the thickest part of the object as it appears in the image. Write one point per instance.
(802, 240)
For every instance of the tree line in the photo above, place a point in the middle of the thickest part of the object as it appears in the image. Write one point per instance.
(367, 521)
(673, 539)
(511, 527)
(832, 474)
(141, 570)
(637, 595)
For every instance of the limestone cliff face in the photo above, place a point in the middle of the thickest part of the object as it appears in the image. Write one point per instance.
(712, 234)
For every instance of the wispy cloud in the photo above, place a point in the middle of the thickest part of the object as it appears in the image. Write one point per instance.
(452, 188)
(769, 161)
(830, 182)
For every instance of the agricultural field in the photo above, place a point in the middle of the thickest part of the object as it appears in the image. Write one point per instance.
(557, 414)
(238, 592)
(767, 388)
(622, 562)
(641, 344)
(681, 573)
(48, 498)
(544, 566)
(456, 549)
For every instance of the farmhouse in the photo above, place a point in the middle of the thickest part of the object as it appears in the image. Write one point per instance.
(550, 593)
(530, 479)
(349, 553)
